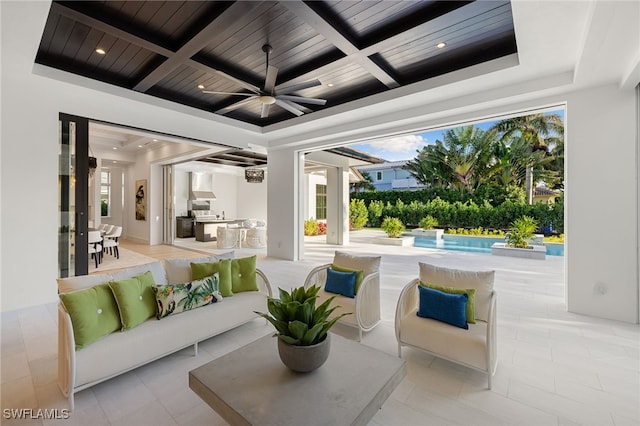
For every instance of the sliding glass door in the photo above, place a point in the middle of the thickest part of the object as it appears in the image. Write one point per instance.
(73, 189)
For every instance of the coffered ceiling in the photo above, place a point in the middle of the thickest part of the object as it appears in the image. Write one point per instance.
(354, 48)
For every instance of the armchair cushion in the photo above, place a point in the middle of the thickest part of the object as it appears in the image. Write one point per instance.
(481, 281)
(471, 302)
(343, 283)
(359, 276)
(368, 264)
(441, 306)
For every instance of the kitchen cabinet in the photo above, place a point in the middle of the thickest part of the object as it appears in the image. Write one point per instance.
(184, 227)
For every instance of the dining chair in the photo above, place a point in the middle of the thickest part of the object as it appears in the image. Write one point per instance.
(95, 246)
(111, 241)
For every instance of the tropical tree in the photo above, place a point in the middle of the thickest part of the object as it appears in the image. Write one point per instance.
(538, 133)
(366, 184)
(463, 160)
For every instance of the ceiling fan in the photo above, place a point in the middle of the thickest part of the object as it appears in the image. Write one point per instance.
(267, 96)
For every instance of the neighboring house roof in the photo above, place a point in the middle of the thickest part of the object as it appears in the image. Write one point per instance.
(355, 154)
(384, 166)
(543, 192)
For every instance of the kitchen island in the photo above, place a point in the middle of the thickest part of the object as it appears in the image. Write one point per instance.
(206, 229)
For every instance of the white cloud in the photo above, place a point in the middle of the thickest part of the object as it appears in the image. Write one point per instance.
(401, 144)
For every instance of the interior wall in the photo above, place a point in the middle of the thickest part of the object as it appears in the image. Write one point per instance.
(251, 198)
(31, 103)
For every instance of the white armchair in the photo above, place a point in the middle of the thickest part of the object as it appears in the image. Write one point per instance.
(475, 347)
(365, 306)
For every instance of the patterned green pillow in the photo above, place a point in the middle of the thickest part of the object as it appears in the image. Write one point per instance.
(176, 298)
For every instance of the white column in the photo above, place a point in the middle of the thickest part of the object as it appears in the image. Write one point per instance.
(337, 206)
(285, 236)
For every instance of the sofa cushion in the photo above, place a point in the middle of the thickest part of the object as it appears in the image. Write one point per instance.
(135, 299)
(93, 313)
(482, 281)
(173, 299)
(179, 270)
(343, 283)
(359, 276)
(156, 268)
(222, 267)
(471, 302)
(243, 274)
(441, 306)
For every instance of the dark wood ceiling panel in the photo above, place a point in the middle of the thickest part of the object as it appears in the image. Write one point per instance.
(167, 48)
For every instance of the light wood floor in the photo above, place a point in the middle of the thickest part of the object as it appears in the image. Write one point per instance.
(160, 251)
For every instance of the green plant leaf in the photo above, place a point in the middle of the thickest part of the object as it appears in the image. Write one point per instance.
(312, 334)
(290, 340)
(297, 329)
(284, 295)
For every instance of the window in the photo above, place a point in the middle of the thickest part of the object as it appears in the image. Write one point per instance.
(321, 201)
(378, 175)
(105, 193)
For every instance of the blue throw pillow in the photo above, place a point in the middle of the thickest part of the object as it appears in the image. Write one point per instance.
(445, 307)
(343, 283)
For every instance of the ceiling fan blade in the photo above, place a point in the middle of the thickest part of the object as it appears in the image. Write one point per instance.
(244, 84)
(235, 105)
(265, 111)
(229, 93)
(289, 106)
(301, 99)
(270, 80)
(299, 86)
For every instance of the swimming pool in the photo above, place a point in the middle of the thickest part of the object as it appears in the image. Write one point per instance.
(475, 244)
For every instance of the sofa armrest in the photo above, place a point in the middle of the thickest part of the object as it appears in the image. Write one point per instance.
(263, 283)
(492, 338)
(66, 354)
(407, 302)
(317, 276)
(368, 301)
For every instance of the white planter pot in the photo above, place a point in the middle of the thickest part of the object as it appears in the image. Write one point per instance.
(428, 233)
(532, 252)
(401, 241)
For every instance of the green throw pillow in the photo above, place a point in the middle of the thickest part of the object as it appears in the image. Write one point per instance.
(135, 299)
(177, 298)
(222, 267)
(471, 301)
(243, 274)
(359, 274)
(93, 312)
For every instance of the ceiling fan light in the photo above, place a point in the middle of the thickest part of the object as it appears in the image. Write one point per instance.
(266, 99)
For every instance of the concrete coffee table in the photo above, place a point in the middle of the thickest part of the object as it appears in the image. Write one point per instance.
(251, 386)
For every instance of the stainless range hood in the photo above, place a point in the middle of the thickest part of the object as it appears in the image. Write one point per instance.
(201, 186)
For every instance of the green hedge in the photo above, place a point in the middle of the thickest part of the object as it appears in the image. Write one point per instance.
(468, 214)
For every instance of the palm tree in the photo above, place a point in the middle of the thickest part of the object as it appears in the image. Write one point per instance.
(366, 184)
(463, 160)
(541, 132)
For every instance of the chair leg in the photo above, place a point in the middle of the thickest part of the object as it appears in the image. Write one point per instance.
(115, 249)
(95, 256)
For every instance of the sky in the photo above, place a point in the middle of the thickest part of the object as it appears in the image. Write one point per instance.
(404, 147)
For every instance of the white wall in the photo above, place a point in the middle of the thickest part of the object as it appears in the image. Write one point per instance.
(311, 180)
(251, 198)
(29, 140)
(601, 203)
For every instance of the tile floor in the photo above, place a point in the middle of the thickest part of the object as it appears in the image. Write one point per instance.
(554, 368)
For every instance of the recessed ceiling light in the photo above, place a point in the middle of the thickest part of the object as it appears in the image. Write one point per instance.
(441, 45)
(200, 86)
(114, 161)
(115, 147)
(155, 140)
(139, 146)
(329, 84)
(101, 51)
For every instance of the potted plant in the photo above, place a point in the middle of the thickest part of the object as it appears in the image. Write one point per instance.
(301, 327)
(427, 228)
(521, 231)
(517, 241)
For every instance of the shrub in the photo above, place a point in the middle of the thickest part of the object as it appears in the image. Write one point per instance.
(428, 222)
(392, 226)
(521, 231)
(322, 228)
(358, 214)
(310, 227)
(375, 212)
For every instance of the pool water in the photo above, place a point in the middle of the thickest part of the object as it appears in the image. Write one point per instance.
(474, 244)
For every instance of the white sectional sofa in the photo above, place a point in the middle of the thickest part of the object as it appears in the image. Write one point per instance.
(121, 351)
